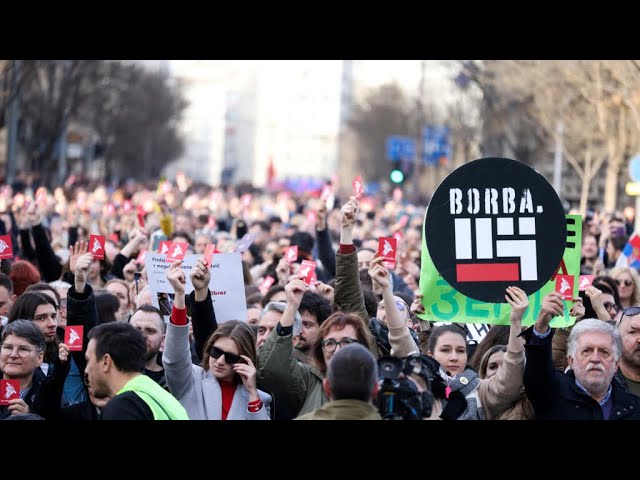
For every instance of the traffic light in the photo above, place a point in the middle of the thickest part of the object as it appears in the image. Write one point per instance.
(401, 171)
(397, 176)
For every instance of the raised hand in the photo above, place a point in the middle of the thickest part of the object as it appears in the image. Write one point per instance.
(177, 278)
(517, 298)
(282, 271)
(348, 213)
(129, 271)
(552, 306)
(75, 252)
(325, 290)
(200, 278)
(577, 310)
(379, 273)
(295, 290)
(247, 372)
(81, 272)
(416, 306)
(63, 352)
(321, 216)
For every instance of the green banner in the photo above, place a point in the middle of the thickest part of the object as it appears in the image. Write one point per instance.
(444, 304)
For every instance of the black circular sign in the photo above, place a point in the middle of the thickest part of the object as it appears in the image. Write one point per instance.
(493, 223)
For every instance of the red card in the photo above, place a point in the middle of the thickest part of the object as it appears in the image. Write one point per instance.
(398, 235)
(9, 390)
(211, 223)
(163, 246)
(140, 259)
(6, 247)
(387, 250)
(307, 269)
(126, 206)
(291, 255)
(564, 286)
(96, 246)
(141, 213)
(177, 251)
(403, 221)
(585, 282)
(209, 250)
(265, 284)
(110, 209)
(73, 337)
(311, 217)
(358, 188)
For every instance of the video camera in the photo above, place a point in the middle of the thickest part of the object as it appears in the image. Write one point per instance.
(399, 397)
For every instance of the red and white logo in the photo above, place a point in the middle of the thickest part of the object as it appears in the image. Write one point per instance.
(96, 246)
(307, 270)
(564, 286)
(585, 282)
(292, 254)
(163, 247)
(177, 251)
(265, 284)
(387, 249)
(6, 247)
(73, 337)
(9, 390)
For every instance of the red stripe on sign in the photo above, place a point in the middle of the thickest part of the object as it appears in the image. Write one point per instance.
(487, 272)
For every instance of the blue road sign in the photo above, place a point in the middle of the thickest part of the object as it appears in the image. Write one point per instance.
(399, 147)
(436, 144)
(634, 168)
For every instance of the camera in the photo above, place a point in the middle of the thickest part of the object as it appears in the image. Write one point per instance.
(399, 397)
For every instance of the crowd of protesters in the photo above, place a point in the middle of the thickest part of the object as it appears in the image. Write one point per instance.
(277, 362)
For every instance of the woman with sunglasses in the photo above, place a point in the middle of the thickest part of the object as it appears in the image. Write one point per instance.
(628, 285)
(224, 387)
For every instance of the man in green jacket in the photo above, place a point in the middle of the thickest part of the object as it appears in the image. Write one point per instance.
(351, 383)
(115, 361)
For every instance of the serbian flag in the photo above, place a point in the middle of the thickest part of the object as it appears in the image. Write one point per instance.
(631, 251)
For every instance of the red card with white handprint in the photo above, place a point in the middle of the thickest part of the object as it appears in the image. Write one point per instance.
(177, 251)
(564, 286)
(387, 250)
(291, 255)
(209, 250)
(307, 270)
(265, 284)
(9, 390)
(6, 247)
(96, 246)
(163, 247)
(585, 282)
(358, 187)
(73, 337)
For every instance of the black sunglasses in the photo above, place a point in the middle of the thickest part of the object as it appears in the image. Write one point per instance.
(229, 358)
(629, 312)
(627, 283)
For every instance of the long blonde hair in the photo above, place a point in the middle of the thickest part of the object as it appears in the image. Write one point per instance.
(635, 294)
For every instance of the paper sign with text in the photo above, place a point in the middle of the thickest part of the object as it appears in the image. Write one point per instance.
(226, 285)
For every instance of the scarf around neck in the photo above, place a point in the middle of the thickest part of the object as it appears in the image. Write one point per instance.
(463, 402)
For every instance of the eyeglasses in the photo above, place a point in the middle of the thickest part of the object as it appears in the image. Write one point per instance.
(63, 303)
(330, 345)
(611, 306)
(401, 305)
(229, 358)
(627, 283)
(23, 352)
(629, 312)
